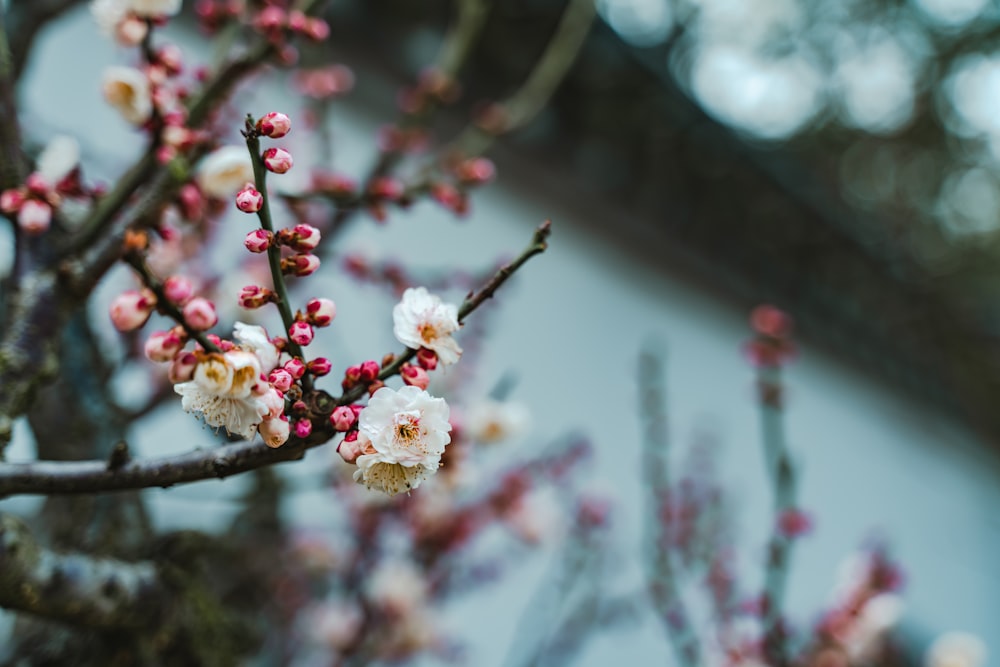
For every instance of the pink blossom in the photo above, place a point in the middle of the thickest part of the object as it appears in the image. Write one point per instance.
(343, 418)
(414, 376)
(199, 313)
(301, 332)
(274, 124)
(369, 371)
(321, 311)
(277, 160)
(177, 289)
(303, 428)
(131, 309)
(249, 200)
(295, 367)
(280, 379)
(182, 368)
(320, 366)
(162, 346)
(275, 432)
(34, 217)
(301, 238)
(254, 296)
(300, 265)
(257, 241)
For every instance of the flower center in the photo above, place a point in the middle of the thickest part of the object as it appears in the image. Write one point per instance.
(428, 332)
(407, 430)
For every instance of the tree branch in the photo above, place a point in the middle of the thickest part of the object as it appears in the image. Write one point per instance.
(87, 591)
(58, 477)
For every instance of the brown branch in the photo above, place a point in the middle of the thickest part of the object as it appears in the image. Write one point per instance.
(538, 245)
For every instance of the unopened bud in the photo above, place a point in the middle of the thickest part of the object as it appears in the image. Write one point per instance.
(301, 333)
(249, 199)
(274, 124)
(274, 431)
(321, 311)
(301, 238)
(320, 366)
(257, 241)
(182, 369)
(369, 371)
(414, 376)
(280, 379)
(427, 358)
(254, 296)
(177, 289)
(131, 309)
(349, 449)
(295, 367)
(199, 313)
(300, 265)
(352, 376)
(343, 418)
(34, 217)
(162, 346)
(277, 160)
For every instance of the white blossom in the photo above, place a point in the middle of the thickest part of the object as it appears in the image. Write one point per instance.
(127, 90)
(396, 587)
(227, 388)
(59, 158)
(108, 14)
(402, 435)
(224, 172)
(421, 319)
(876, 619)
(956, 649)
(146, 8)
(489, 420)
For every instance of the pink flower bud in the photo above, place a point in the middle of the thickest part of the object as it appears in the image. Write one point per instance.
(249, 200)
(303, 428)
(259, 240)
(170, 56)
(300, 265)
(475, 171)
(274, 431)
(182, 369)
(253, 296)
(301, 332)
(427, 358)
(177, 289)
(270, 18)
(320, 366)
(352, 376)
(277, 160)
(199, 313)
(37, 184)
(343, 418)
(369, 371)
(770, 321)
(296, 20)
(280, 379)
(131, 309)
(274, 124)
(130, 31)
(34, 217)
(317, 29)
(11, 201)
(794, 523)
(321, 311)
(162, 346)
(295, 367)
(386, 188)
(414, 376)
(192, 202)
(301, 238)
(349, 449)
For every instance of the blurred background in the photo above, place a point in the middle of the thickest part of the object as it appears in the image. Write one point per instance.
(836, 158)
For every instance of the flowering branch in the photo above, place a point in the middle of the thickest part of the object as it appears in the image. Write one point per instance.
(538, 245)
(273, 250)
(58, 477)
(660, 572)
